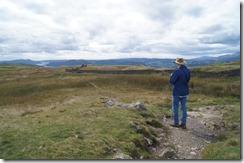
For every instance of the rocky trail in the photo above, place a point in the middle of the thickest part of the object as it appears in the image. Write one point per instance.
(203, 125)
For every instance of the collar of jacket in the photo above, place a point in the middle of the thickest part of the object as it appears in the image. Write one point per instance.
(182, 66)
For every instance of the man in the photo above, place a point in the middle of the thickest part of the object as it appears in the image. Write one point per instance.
(179, 79)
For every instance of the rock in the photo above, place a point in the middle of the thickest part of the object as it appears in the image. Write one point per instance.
(109, 102)
(167, 153)
(208, 142)
(126, 105)
(193, 114)
(140, 106)
(154, 149)
(193, 153)
(178, 146)
(79, 136)
(162, 134)
(217, 126)
(195, 148)
(160, 139)
(149, 141)
(234, 125)
(210, 125)
(120, 155)
(211, 136)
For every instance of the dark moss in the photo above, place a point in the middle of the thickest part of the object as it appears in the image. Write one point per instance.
(154, 123)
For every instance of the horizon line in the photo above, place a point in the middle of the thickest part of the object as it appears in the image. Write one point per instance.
(117, 58)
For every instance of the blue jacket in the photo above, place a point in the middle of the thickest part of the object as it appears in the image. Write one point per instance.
(180, 80)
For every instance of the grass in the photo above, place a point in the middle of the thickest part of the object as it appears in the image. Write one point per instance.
(229, 87)
(47, 113)
(72, 131)
(62, 117)
(219, 66)
(228, 144)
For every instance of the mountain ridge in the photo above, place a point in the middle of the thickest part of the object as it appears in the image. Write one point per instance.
(151, 62)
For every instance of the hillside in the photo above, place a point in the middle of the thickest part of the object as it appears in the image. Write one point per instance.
(47, 113)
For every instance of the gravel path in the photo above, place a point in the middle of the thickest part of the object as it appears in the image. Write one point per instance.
(203, 125)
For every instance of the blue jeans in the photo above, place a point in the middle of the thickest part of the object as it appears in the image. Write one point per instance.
(176, 100)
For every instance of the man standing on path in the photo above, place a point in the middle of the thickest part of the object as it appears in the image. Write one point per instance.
(179, 79)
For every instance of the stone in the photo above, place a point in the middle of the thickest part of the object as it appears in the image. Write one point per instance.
(140, 106)
(120, 155)
(126, 106)
(167, 153)
(235, 125)
(208, 142)
(154, 149)
(160, 139)
(109, 102)
(178, 146)
(195, 148)
(149, 141)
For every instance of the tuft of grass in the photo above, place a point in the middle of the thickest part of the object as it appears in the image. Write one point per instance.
(154, 123)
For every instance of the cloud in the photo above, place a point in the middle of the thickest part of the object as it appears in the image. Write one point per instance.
(60, 29)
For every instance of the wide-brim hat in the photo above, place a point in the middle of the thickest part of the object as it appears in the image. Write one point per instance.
(180, 61)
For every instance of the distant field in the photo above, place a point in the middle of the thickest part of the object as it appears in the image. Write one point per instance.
(221, 66)
(47, 113)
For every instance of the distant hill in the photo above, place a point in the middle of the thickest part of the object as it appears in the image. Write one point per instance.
(22, 61)
(151, 62)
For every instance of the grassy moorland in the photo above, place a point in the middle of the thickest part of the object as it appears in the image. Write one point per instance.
(47, 113)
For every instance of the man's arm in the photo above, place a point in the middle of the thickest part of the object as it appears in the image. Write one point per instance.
(173, 77)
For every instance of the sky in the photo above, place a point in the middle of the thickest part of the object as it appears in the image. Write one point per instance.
(109, 29)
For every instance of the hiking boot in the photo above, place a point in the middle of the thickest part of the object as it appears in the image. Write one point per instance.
(182, 126)
(174, 125)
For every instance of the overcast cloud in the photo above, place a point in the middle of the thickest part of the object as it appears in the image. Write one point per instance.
(102, 29)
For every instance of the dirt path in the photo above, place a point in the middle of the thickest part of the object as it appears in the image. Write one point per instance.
(203, 125)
